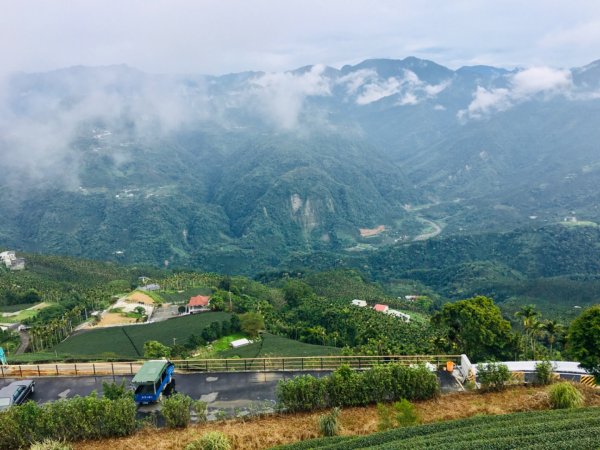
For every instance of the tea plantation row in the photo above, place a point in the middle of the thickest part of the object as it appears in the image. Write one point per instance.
(128, 341)
(560, 429)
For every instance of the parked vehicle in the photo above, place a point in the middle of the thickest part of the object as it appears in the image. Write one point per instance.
(153, 378)
(16, 393)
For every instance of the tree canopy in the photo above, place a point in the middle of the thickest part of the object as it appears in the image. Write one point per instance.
(475, 326)
(584, 340)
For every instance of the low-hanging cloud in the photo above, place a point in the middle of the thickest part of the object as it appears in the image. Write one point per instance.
(41, 127)
(280, 97)
(367, 87)
(522, 86)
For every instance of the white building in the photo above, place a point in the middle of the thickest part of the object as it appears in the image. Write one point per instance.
(11, 261)
(399, 314)
(360, 303)
(240, 343)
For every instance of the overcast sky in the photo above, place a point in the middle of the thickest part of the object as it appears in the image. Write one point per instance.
(220, 36)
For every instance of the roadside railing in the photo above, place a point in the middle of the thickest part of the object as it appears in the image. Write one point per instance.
(308, 363)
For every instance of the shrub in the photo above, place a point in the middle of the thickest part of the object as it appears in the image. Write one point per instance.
(114, 391)
(406, 413)
(213, 440)
(49, 444)
(345, 387)
(74, 419)
(493, 376)
(565, 395)
(201, 409)
(384, 417)
(176, 410)
(543, 373)
(329, 423)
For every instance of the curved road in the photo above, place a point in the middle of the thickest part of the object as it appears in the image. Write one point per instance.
(436, 230)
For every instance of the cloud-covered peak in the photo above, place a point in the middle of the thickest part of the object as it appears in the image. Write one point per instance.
(521, 86)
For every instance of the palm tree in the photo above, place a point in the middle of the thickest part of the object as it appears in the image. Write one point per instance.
(529, 316)
(552, 329)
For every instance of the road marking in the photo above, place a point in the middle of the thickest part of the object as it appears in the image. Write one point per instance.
(209, 398)
(211, 379)
(64, 394)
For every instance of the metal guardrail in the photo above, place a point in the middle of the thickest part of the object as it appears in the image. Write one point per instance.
(309, 363)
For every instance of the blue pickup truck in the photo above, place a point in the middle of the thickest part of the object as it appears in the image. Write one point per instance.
(152, 380)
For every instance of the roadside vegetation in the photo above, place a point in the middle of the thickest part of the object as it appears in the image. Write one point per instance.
(261, 432)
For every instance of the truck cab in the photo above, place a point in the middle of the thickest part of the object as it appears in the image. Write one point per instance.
(151, 380)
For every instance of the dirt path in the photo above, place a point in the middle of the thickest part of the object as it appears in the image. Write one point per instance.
(424, 236)
(24, 335)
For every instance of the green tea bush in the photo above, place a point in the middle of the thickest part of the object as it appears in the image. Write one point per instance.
(493, 376)
(213, 440)
(406, 413)
(329, 424)
(70, 420)
(49, 444)
(385, 417)
(176, 410)
(564, 396)
(345, 387)
(543, 373)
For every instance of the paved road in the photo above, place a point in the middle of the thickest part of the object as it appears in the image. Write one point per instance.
(436, 230)
(225, 391)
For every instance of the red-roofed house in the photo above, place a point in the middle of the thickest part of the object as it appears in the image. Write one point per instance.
(198, 303)
(381, 308)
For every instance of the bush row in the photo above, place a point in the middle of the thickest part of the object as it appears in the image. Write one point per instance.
(346, 387)
(74, 419)
(541, 427)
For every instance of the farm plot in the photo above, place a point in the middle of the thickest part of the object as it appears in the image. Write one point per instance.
(578, 428)
(129, 341)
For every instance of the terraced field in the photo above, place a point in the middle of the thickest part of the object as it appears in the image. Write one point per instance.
(128, 341)
(552, 430)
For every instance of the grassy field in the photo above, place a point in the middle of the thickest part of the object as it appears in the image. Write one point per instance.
(271, 345)
(24, 314)
(559, 429)
(128, 341)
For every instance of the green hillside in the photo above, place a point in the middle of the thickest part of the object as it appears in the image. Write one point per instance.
(559, 429)
(271, 345)
(128, 341)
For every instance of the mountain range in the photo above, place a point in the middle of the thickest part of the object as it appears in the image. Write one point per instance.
(243, 172)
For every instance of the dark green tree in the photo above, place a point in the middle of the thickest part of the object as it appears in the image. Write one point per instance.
(295, 291)
(475, 327)
(583, 340)
(251, 323)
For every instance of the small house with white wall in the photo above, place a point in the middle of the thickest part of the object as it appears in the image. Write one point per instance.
(10, 260)
(359, 303)
(199, 303)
